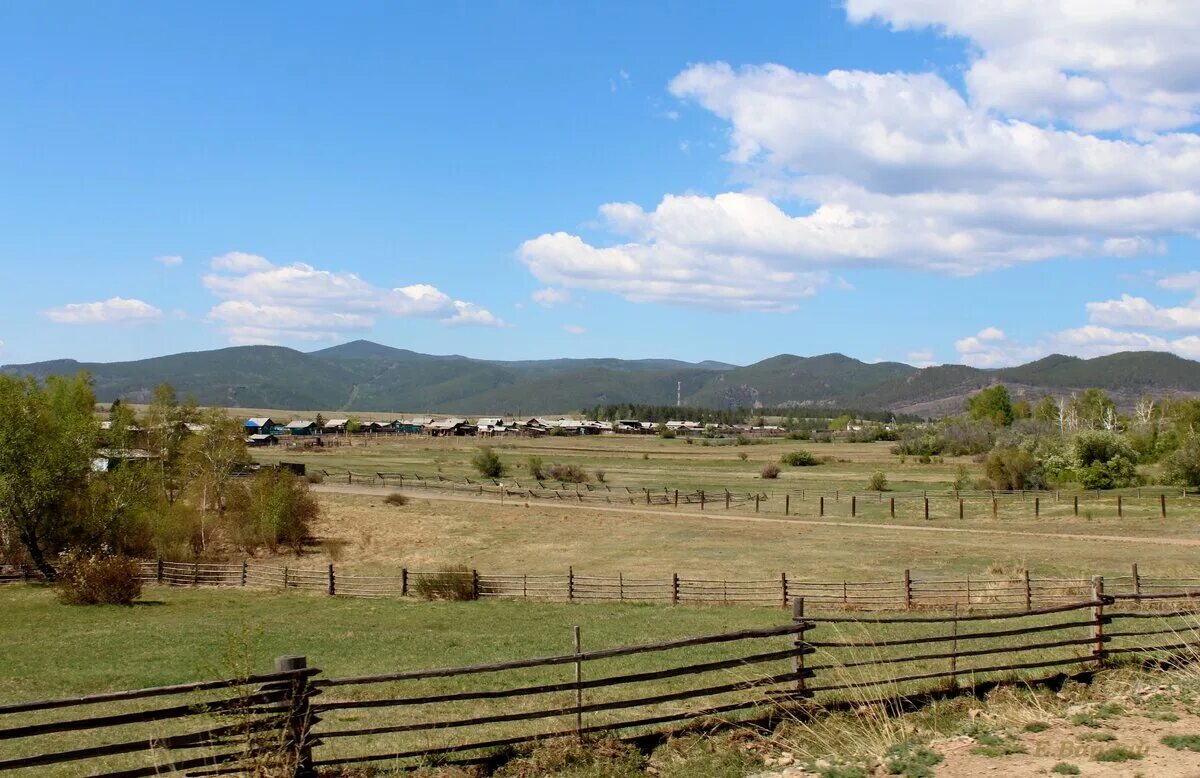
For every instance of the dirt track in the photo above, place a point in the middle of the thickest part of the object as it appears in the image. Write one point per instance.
(429, 494)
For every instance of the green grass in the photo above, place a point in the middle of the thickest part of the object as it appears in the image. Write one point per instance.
(1182, 742)
(1065, 768)
(1118, 754)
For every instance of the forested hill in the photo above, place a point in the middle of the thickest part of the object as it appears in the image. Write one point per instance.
(365, 376)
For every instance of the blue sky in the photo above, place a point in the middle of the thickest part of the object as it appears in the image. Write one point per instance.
(905, 180)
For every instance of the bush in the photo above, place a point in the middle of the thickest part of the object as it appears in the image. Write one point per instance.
(558, 432)
(799, 458)
(962, 478)
(395, 498)
(878, 482)
(1113, 474)
(770, 471)
(570, 474)
(537, 469)
(742, 455)
(666, 433)
(488, 463)
(454, 583)
(1010, 468)
(600, 475)
(315, 478)
(98, 579)
(272, 509)
(1182, 466)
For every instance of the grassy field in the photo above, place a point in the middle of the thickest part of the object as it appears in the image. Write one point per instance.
(180, 635)
(362, 534)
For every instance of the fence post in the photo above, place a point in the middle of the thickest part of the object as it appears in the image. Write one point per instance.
(960, 507)
(578, 685)
(159, 571)
(799, 644)
(701, 499)
(621, 587)
(570, 584)
(285, 577)
(954, 649)
(926, 508)
(1162, 505)
(853, 506)
(674, 588)
(787, 504)
(195, 573)
(1037, 507)
(892, 507)
(404, 582)
(756, 498)
(1137, 583)
(1098, 620)
(1119, 511)
(332, 584)
(676, 498)
(821, 510)
(783, 589)
(245, 571)
(1075, 501)
(907, 589)
(995, 508)
(1028, 590)
(726, 499)
(297, 740)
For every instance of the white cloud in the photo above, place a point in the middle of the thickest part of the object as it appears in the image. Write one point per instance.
(574, 329)
(1087, 341)
(901, 170)
(240, 262)
(115, 310)
(169, 260)
(267, 303)
(922, 358)
(1100, 65)
(550, 297)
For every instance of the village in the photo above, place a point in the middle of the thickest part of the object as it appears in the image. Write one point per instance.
(265, 431)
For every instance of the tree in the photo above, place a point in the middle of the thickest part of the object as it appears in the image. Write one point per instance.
(993, 404)
(1011, 468)
(1046, 410)
(272, 509)
(320, 420)
(166, 429)
(1182, 466)
(1095, 409)
(488, 463)
(213, 456)
(47, 441)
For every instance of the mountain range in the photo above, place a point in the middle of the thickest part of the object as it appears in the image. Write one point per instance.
(363, 376)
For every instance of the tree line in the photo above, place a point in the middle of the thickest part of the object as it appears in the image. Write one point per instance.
(164, 482)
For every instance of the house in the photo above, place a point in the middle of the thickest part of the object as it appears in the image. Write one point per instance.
(262, 425)
(374, 427)
(493, 425)
(335, 426)
(451, 427)
(109, 459)
(302, 427)
(261, 439)
(413, 426)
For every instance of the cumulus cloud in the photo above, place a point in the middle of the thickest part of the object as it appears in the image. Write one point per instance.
(856, 169)
(550, 297)
(267, 303)
(115, 310)
(1087, 341)
(922, 358)
(169, 260)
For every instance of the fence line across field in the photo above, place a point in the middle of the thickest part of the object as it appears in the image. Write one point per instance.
(799, 668)
(948, 503)
(901, 592)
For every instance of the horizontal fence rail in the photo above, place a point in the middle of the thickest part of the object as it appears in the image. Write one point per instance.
(901, 592)
(295, 719)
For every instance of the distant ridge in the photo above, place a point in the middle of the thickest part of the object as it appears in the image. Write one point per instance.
(362, 376)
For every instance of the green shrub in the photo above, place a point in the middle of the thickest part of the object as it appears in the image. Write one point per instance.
(1012, 468)
(1064, 768)
(454, 583)
(799, 458)
(742, 455)
(911, 760)
(1182, 742)
(770, 471)
(1036, 726)
(878, 482)
(537, 469)
(1182, 466)
(1118, 754)
(98, 579)
(666, 432)
(569, 474)
(488, 463)
(272, 509)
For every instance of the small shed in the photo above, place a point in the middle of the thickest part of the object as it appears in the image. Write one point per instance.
(335, 426)
(259, 440)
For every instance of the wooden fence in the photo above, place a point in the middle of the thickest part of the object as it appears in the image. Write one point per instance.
(311, 721)
(901, 592)
(929, 504)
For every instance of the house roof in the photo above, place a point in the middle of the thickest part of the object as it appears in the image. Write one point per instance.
(300, 424)
(336, 423)
(259, 421)
(447, 424)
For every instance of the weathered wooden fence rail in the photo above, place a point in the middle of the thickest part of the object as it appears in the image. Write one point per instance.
(902, 592)
(297, 721)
